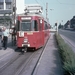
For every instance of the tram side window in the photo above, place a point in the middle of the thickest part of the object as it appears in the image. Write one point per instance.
(34, 25)
(45, 25)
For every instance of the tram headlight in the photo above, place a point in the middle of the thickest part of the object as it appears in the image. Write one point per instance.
(28, 45)
(21, 34)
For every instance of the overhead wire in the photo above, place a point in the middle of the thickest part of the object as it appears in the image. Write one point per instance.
(64, 3)
(58, 1)
(41, 2)
(37, 1)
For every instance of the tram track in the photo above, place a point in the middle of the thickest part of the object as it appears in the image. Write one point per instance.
(22, 64)
(9, 62)
(27, 63)
(15, 64)
(37, 63)
(28, 68)
(19, 63)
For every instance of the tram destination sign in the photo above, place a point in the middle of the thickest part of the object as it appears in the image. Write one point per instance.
(26, 18)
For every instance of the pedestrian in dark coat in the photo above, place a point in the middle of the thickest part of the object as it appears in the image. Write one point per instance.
(5, 37)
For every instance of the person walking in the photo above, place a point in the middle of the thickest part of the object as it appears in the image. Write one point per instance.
(13, 34)
(5, 37)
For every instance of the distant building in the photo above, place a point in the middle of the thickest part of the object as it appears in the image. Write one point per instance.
(1, 4)
(72, 22)
(67, 24)
(6, 6)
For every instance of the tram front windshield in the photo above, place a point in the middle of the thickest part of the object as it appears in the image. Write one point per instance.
(26, 25)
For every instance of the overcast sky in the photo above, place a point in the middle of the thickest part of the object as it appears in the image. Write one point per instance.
(62, 10)
(20, 4)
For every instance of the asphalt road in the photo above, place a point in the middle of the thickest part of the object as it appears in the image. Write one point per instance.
(69, 37)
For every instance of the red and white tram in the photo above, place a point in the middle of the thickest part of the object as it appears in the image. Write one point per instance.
(32, 31)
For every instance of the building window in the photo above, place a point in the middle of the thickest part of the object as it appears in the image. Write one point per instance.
(1, 1)
(2, 6)
(8, 6)
(8, 1)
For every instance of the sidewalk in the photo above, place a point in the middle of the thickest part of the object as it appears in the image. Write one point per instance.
(50, 63)
(9, 50)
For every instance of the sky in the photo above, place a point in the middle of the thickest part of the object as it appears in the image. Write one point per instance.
(62, 10)
(20, 4)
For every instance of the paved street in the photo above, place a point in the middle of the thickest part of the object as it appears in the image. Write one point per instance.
(9, 49)
(69, 37)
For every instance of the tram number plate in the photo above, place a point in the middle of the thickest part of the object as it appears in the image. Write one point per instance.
(24, 45)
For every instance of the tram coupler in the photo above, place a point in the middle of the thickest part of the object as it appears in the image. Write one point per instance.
(24, 48)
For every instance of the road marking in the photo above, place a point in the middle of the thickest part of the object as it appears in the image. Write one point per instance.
(68, 40)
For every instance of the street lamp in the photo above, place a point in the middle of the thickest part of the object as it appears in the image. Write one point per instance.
(51, 10)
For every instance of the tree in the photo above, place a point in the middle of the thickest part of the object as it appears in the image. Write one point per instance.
(55, 24)
(60, 26)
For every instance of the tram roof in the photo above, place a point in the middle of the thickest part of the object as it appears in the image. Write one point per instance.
(39, 15)
(31, 15)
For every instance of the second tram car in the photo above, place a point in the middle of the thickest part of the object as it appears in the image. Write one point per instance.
(32, 31)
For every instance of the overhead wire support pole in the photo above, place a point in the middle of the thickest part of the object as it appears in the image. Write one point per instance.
(51, 12)
(46, 10)
(14, 10)
(13, 21)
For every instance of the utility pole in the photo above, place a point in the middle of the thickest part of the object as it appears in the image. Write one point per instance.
(14, 12)
(51, 14)
(13, 21)
(46, 10)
